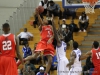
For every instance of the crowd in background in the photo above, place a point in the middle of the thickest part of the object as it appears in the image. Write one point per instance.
(52, 8)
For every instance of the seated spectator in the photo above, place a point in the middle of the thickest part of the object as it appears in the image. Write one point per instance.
(28, 71)
(73, 27)
(41, 71)
(54, 63)
(63, 25)
(19, 72)
(32, 67)
(55, 9)
(83, 22)
(45, 4)
(26, 50)
(91, 68)
(87, 66)
(69, 12)
(24, 37)
(69, 36)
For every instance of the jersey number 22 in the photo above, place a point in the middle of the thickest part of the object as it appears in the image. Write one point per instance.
(6, 45)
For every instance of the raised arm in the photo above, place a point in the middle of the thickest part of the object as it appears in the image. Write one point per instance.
(39, 18)
(56, 34)
(17, 50)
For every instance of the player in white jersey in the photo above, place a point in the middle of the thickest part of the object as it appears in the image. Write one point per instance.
(75, 62)
(61, 54)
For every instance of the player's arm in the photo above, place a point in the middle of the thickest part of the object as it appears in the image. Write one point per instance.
(72, 58)
(17, 50)
(51, 38)
(56, 34)
(40, 20)
(84, 56)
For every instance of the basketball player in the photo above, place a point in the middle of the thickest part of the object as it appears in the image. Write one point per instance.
(75, 62)
(61, 53)
(9, 47)
(45, 44)
(95, 54)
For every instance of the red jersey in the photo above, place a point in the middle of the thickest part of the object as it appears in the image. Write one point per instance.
(96, 57)
(7, 45)
(46, 32)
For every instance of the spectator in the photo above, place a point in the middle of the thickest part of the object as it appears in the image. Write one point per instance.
(24, 36)
(69, 12)
(55, 9)
(92, 68)
(63, 25)
(69, 36)
(83, 22)
(73, 27)
(26, 50)
(41, 71)
(32, 67)
(19, 72)
(87, 67)
(28, 71)
(45, 4)
(54, 63)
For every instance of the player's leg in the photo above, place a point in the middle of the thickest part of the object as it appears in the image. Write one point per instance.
(49, 57)
(9, 66)
(66, 69)
(61, 68)
(1, 67)
(34, 56)
(75, 71)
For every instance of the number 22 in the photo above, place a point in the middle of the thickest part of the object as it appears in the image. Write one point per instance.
(6, 45)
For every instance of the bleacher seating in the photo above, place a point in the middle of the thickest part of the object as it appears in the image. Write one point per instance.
(79, 36)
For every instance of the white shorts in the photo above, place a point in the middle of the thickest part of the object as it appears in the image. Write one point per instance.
(62, 69)
(75, 71)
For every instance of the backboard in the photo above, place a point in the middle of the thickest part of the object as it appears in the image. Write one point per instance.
(76, 4)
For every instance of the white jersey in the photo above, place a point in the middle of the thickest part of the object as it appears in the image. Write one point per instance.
(77, 62)
(61, 51)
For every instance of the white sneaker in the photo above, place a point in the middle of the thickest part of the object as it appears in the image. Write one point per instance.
(80, 31)
(84, 30)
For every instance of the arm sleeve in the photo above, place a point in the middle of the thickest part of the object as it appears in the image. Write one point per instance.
(40, 4)
(80, 17)
(87, 18)
(19, 34)
(30, 34)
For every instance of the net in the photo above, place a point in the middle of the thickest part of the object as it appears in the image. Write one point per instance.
(89, 5)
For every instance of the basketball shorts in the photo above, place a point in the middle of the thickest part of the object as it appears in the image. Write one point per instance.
(8, 66)
(62, 69)
(47, 49)
(96, 71)
(75, 71)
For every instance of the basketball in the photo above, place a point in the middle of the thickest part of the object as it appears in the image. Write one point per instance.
(41, 9)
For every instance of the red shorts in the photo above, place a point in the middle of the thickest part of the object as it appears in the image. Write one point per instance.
(48, 49)
(8, 66)
(96, 71)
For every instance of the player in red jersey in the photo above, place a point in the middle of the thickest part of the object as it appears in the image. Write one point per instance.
(45, 45)
(9, 47)
(95, 54)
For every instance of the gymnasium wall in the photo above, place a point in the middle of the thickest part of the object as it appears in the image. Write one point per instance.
(8, 7)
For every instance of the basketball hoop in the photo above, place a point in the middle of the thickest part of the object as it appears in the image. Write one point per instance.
(89, 5)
